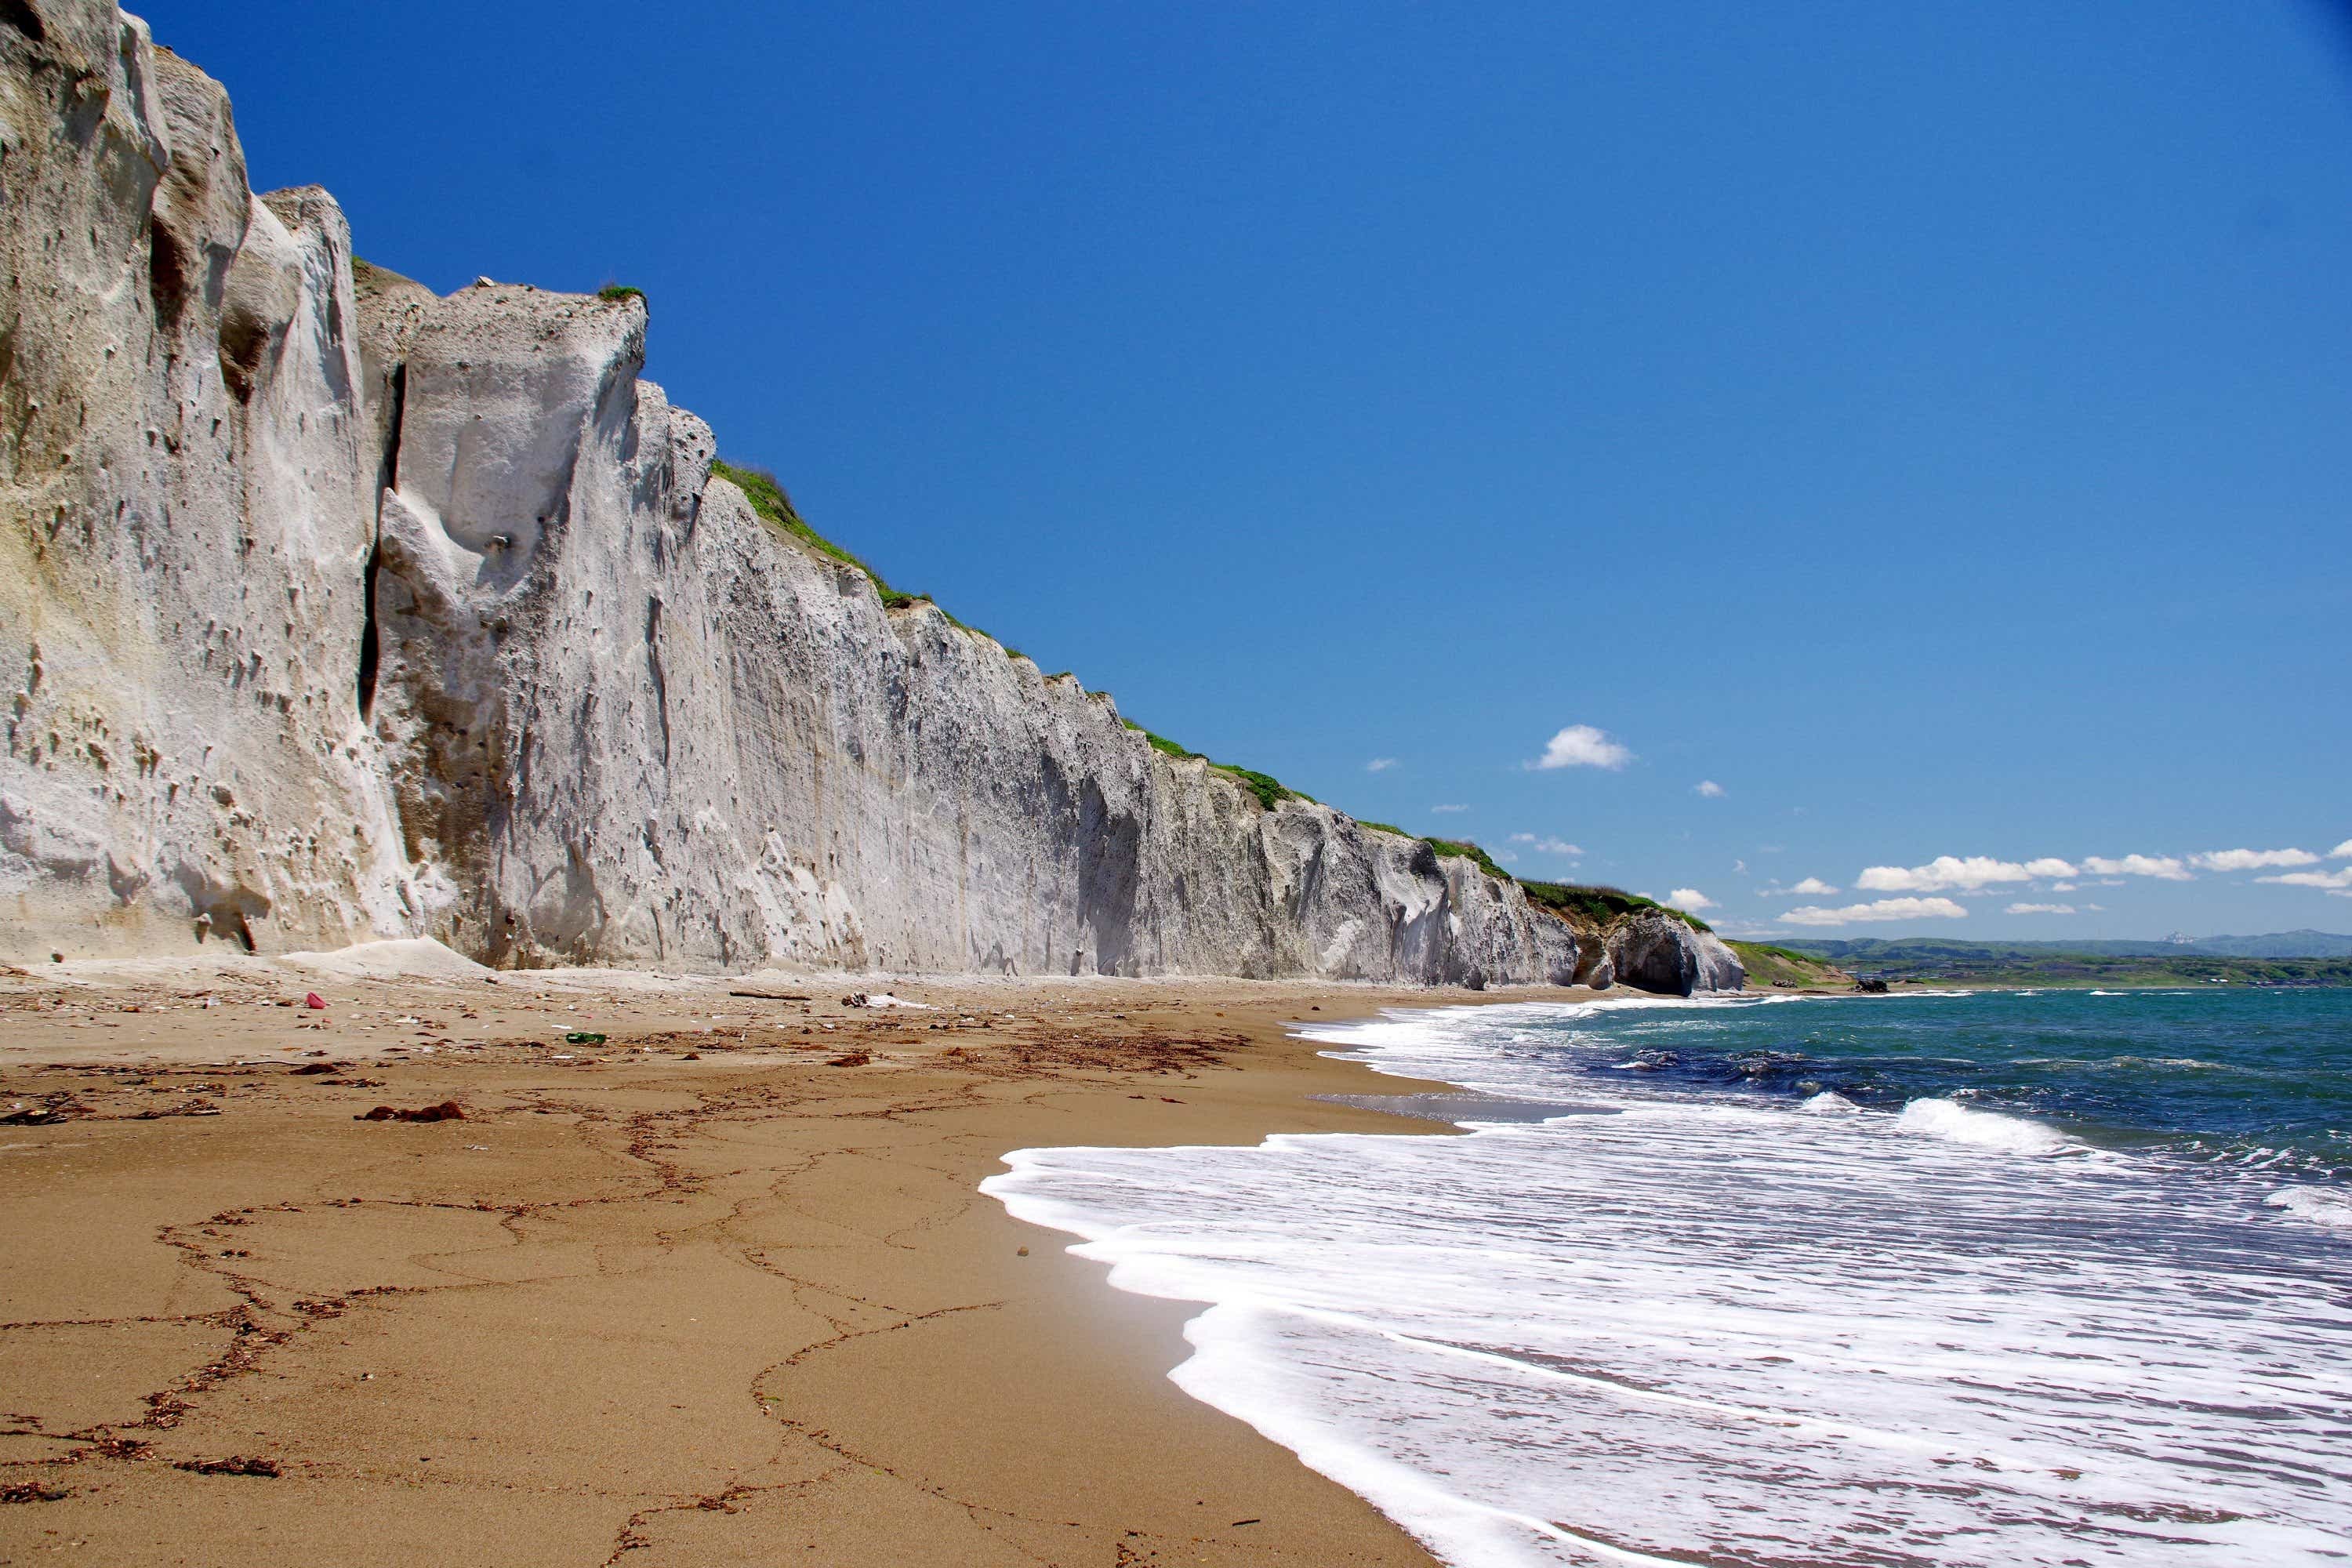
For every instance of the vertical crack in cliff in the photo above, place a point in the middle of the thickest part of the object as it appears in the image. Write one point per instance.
(653, 662)
(387, 474)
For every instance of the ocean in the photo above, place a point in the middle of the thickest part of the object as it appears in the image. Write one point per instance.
(1997, 1278)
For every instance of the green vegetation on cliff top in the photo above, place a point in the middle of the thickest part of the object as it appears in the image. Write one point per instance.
(776, 510)
(1270, 791)
(1602, 904)
(1464, 849)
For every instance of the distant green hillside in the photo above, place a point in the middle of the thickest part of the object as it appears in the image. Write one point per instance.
(2303, 943)
(1770, 967)
(1943, 961)
(2278, 944)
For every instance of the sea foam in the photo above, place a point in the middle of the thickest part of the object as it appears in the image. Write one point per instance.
(1712, 1327)
(1984, 1129)
(2317, 1204)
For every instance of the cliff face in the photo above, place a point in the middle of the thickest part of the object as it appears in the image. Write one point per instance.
(182, 529)
(347, 610)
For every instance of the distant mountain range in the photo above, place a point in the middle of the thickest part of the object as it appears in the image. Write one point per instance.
(1869, 951)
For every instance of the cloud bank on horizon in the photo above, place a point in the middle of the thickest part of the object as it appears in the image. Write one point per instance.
(1933, 890)
(1878, 909)
(1979, 874)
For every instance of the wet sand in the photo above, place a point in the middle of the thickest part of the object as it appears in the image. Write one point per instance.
(718, 1288)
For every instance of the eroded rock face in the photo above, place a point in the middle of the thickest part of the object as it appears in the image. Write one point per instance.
(1655, 952)
(184, 529)
(626, 719)
(337, 611)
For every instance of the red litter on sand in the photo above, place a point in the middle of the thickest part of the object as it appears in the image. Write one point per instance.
(313, 999)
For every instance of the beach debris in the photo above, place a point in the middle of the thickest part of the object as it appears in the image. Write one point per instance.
(185, 1108)
(314, 1069)
(1020, 1252)
(849, 1059)
(313, 1001)
(447, 1111)
(883, 999)
(583, 1037)
(235, 1465)
(30, 1491)
(771, 996)
(56, 1108)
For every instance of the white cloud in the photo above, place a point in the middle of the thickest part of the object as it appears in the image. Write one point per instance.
(1547, 843)
(1709, 788)
(2331, 880)
(1582, 746)
(1448, 810)
(2063, 886)
(1883, 910)
(2252, 859)
(2050, 865)
(1814, 886)
(1973, 874)
(1689, 899)
(1379, 764)
(1732, 926)
(2342, 851)
(1741, 867)
(2039, 910)
(2164, 868)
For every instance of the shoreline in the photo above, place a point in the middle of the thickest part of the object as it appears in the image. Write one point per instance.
(718, 1288)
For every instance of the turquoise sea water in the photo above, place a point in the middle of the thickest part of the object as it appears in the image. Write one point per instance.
(1997, 1279)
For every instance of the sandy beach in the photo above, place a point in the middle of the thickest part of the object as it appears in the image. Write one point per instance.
(718, 1288)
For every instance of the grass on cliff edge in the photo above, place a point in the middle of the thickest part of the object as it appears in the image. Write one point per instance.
(1602, 904)
(776, 510)
(1270, 791)
(1598, 904)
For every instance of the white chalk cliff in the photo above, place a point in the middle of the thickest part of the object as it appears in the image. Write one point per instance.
(338, 610)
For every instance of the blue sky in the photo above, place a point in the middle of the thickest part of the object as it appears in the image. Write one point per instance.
(1930, 425)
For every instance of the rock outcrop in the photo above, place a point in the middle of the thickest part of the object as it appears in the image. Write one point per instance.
(1652, 951)
(341, 610)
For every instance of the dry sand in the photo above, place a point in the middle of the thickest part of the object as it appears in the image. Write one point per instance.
(717, 1290)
